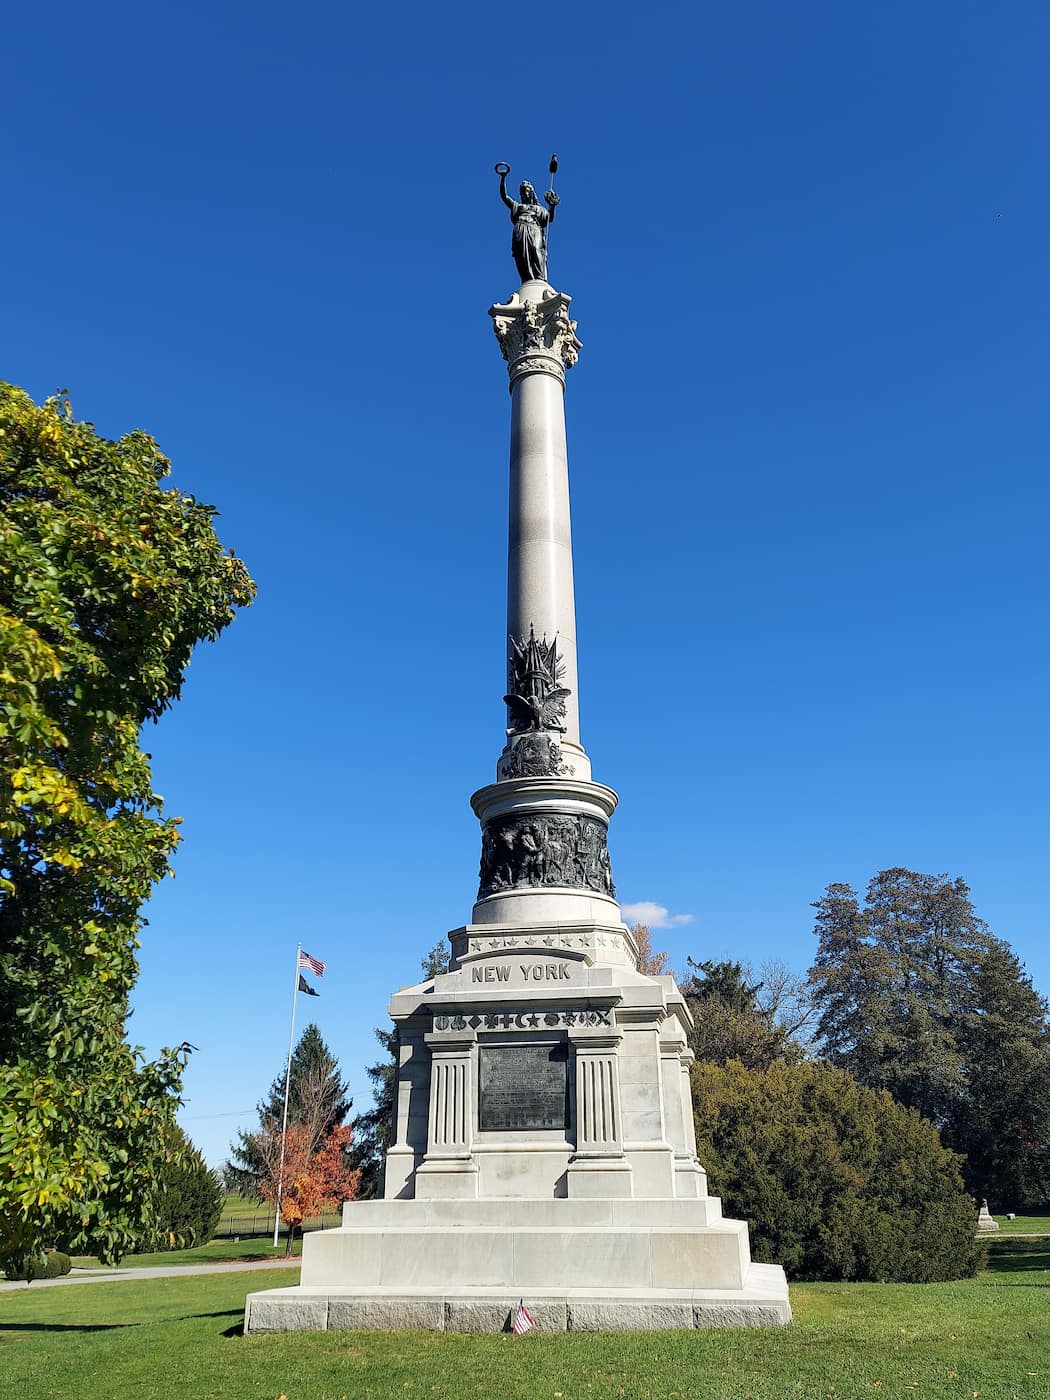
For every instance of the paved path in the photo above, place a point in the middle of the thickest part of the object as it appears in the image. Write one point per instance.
(155, 1271)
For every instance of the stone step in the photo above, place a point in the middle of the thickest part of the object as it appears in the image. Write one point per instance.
(536, 1257)
(683, 1213)
(763, 1302)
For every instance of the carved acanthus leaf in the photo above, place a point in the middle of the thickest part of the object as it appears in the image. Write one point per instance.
(530, 329)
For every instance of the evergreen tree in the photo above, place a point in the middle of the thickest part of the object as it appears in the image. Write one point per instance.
(916, 996)
(1002, 1122)
(317, 1101)
(372, 1129)
(895, 979)
(188, 1198)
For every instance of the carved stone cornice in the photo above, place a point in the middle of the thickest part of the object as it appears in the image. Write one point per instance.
(536, 337)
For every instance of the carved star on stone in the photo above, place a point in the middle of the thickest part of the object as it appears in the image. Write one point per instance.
(549, 941)
(534, 1020)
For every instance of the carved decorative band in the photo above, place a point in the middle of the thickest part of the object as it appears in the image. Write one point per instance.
(535, 756)
(529, 850)
(524, 1020)
(536, 364)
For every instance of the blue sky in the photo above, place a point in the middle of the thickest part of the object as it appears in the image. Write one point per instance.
(807, 433)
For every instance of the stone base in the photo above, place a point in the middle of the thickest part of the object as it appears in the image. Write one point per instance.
(763, 1303)
(461, 1265)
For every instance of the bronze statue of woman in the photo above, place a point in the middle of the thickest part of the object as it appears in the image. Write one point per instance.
(528, 242)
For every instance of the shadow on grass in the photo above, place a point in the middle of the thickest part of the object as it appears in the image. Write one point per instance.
(112, 1326)
(1017, 1256)
(64, 1326)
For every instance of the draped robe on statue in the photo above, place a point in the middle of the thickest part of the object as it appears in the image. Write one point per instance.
(528, 242)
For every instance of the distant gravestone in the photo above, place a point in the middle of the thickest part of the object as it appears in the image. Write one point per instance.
(984, 1218)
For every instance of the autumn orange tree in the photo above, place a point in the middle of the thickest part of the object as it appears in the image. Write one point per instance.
(652, 963)
(308, 1179)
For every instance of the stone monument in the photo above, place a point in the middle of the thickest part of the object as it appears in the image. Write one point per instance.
(543, 1145)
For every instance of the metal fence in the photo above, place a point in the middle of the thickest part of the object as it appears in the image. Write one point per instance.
(262, 1224)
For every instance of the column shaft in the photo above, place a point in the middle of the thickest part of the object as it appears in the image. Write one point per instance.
(540, 591)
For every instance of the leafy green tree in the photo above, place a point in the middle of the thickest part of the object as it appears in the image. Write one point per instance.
(107, 582)
(318, 1101)
(188, 1198)
(730, 1022)
(917, 996)
(372, 1129)
(835, 1181)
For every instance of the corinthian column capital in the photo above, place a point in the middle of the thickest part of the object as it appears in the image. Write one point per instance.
(535, 332)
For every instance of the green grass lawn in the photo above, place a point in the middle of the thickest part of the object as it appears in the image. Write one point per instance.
(242, 1205)
(172, 1338)
(1024, 1225)
(217, 1252)
(252, 1244)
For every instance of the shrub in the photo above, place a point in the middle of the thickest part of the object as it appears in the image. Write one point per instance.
(836, 1181)
(188, 1199)
(52, 1264)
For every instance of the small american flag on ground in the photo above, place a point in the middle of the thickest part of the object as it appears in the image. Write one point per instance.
(315, 965)
(521, 1320)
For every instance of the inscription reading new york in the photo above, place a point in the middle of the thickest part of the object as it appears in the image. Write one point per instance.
(523, 1088)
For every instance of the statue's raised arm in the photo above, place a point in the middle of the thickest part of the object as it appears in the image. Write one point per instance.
(528, 243)
(503, 170)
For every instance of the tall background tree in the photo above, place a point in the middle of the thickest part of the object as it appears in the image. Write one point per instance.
(916, 996)
(372, 1129)
(1002, 1121)
(318, 1102)
(107, 583)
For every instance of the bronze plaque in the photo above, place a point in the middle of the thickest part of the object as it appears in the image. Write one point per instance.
(523, 1088)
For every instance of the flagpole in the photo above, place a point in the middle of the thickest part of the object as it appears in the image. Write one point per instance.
(287, 1086)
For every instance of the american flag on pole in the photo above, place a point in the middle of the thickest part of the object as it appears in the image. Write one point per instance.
(315, 965)
(521, 1320)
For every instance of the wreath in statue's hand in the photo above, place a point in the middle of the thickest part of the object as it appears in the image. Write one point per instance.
(501, 168)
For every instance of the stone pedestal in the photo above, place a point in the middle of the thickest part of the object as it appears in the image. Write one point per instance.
(542, 1148)
(583, 1266)
(543, 1144)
